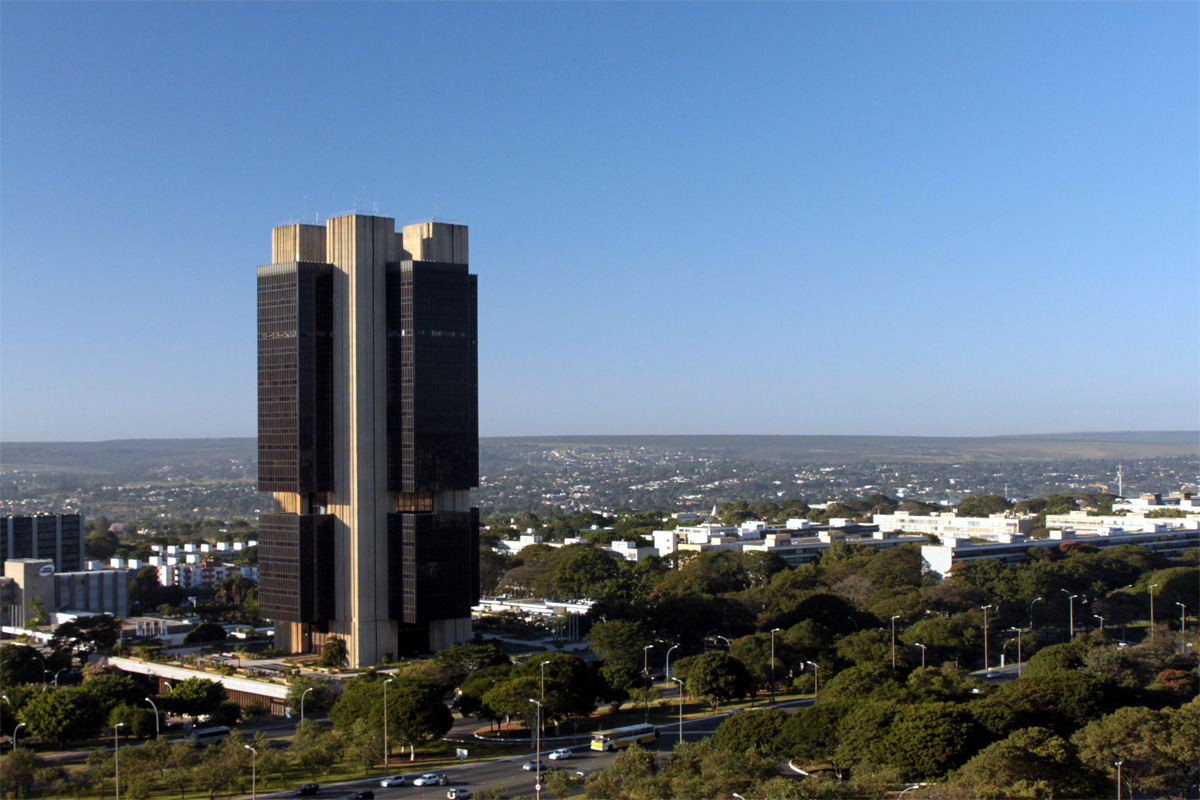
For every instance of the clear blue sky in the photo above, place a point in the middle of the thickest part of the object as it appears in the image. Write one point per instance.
(810, 218)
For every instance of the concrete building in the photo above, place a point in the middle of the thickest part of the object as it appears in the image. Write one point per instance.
(1149, 503)
(995, 526)
(103, 591)
(368, 436)
(1170, 541)
(1084, 522)
(203, 576)
(58, 537)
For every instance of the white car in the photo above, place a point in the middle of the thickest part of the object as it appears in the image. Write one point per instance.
(393, 780)
(559, 755)
(430, 779)
(532, 766)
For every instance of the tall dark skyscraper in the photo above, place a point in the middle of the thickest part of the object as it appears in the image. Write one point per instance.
(368, 436)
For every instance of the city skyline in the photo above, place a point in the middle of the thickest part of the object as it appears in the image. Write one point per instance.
(810, 218)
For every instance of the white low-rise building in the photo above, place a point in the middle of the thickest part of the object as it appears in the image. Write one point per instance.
(950, 524)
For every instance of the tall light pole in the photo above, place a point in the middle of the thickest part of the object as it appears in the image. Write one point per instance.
(385, 731)
(117, 758)
(985, 638)
(14, 736)
(680, 707)
(918, 644)
(773, 632)
(1097, 616)
(56, 676)
(1018, 630)
(1118, 764)
(667, 669)
(543, 671)
(896, 617)
(157, 733)
(1182, 618)
(1071, 601)
(253, 772)
(1153, 586)
(303, 695)
(537, 763)
(816, 678)
(646, 672)
(1031, 604)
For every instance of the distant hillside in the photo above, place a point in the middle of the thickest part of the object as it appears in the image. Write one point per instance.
(138, 458)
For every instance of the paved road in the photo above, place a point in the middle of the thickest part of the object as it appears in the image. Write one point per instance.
(507, 772)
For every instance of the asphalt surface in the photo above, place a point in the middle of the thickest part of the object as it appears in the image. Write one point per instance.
(507, 771)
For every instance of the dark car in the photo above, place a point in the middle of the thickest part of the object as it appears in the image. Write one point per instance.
(365, 794)
(307, 789)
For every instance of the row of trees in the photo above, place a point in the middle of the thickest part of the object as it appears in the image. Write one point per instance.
(159, 765)
(62, 714)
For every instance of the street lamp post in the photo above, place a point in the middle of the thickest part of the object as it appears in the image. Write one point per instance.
(646, 672)
(537, 763)
(56, 674)
(1031, 604)
(385, 730)
(543, 671)
(1018, 630)
(986, 666)
(1182, 618)
(896, 617)
(303, 695)
(1118, 764)
(117, 758)
(1071, 601)
(680, 707)
(773, 632)
(253, 772)
(157, 732)
(1097, 616)
(816, 678)
(667, 669)
(14, 736)
(918, 644)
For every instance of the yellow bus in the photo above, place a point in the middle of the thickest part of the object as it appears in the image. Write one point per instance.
(617, 738)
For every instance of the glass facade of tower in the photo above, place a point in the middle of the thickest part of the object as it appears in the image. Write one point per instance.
(313, 320)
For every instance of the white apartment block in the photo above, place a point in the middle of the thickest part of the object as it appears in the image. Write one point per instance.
(203, 576)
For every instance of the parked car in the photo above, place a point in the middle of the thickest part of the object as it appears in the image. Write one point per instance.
(530, 766)
(392, 780)
(307, 789)
(458, 794)
(559, 755)
(430, 779)
(365, 794)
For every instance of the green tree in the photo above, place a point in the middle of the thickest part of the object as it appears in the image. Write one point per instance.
(315, 748)
(318, 697)
(20, 770)
(1147, 743)
(718, 677)
(463, 659)
(417, 714)
(194, 697)
(760, 731)
(927, 739)
(334, 653)
(95, 634)
(138, 721)
(811, 734)
(619, 641)
(1029, 763)
(61, 715)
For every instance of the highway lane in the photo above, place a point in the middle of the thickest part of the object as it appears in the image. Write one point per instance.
(507, 772)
